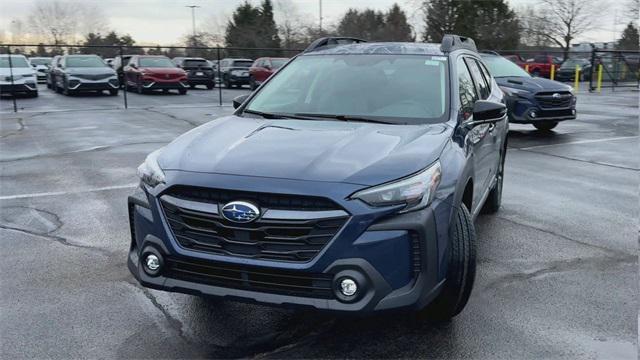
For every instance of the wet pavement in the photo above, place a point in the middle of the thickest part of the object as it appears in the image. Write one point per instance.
(557, 273)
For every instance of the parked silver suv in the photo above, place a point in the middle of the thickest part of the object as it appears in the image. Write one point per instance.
(77, 73)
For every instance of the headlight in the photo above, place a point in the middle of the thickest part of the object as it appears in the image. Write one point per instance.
(515, 92)
(149, 171)
(415, 192)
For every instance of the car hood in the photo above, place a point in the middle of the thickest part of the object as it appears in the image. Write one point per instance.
(532, 84)
(17, 71)
(90, 70)
(335, 151)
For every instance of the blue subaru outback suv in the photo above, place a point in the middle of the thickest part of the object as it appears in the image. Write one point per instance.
(348, 182)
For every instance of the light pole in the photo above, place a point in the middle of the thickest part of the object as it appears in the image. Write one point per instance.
(193, 19)
(320, 8)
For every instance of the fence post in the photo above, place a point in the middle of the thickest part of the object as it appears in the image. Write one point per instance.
(593, 66)
(219, 78)
(13, 95)
(599, 78)
(124, 85)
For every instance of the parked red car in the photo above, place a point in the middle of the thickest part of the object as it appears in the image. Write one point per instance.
(145, 72)
(541, 65)
(262, 68)
(517, 59)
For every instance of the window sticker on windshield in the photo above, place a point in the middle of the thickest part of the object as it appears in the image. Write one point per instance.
(432, 63)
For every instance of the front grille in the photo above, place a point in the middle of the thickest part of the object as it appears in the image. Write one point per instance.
(548, 100)
(269, 239)
(554, 113)
(94, 76)
(266, 200)
(249, 278)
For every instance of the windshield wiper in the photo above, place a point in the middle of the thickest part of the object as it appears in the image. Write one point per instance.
(268, 115)
(345, 118)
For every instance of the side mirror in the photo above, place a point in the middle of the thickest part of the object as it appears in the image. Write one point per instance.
(485, 112)
(133, 66)
(60, 65)
(237, 101)
(268, 67)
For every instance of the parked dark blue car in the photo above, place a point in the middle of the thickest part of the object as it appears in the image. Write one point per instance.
(532, 100)
(348, 182)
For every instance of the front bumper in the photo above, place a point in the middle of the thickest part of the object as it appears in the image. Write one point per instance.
(396, 260)
(525, 111)
(242, 80)
(8, 88)
(76, 84)
(155, 84)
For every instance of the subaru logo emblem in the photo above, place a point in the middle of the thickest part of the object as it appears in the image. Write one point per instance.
(240, 211)
(556, 96)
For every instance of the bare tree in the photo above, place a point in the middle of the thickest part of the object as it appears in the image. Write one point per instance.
(291, 24)
(564, 20)
(64, 21)
(633, 9)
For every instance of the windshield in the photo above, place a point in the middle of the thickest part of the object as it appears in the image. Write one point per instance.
(501, 67)
(157, 62)
(571, 63)
(196, 63)
(16, 62)
(241, 63)
(392, 88)
(277, 63)
(84, 61)
(40, 61)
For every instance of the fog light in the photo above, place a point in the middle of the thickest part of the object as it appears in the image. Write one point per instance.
(152, 262)
(573, 111)
(348, 287)
(533, 114)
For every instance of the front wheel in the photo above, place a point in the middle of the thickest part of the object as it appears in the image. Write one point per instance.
(113, 92)
(545, 125)
(461, 272)
(211, 86)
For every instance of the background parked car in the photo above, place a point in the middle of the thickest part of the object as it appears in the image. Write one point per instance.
(540, 65)
(17, 76)
(235, 72)
(517, 59)
(81, 73)
(199, 71)
(150, 72)
(41, 65)
(262, 68)
(531, 100)
(567, 70)
(109, 62)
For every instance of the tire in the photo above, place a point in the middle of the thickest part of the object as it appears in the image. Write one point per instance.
(182, 91)
(252, 83)
(461, 272)
(494, 200)
(227, 83)
(211, 86)
(33, 94)
(139, 88)
(66, 91)
(545, 125)
(113, 92)
(193, 86)
(48, 85)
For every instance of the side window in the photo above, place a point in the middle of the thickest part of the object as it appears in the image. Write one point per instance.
(478, 78)
(260, 63)
(486, 74)
(466, 89)
(540, 59)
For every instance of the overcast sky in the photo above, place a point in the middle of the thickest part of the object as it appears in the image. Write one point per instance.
(168, 21)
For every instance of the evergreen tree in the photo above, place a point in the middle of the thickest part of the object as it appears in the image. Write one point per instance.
(629, 40)
(268, 31)
(396, 27)
(252, 27)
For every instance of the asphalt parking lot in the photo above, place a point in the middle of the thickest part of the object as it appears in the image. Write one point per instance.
(557, 273)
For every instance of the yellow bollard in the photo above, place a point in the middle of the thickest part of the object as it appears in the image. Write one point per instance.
(576, 79)
(526, 67)
(600, 78)
(552, 75)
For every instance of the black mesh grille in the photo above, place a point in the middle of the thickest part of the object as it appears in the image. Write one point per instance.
(561, 100)
(287, 240)
(265, 200)
(248, 278)
(416, 254)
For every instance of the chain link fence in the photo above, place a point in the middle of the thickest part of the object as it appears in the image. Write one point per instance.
(227, 75)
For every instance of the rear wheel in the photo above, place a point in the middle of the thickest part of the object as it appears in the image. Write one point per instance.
(545, 125)
(182, 91)
(461, 272)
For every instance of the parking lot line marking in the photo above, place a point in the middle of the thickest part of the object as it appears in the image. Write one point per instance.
(580, 142)
(57, 193)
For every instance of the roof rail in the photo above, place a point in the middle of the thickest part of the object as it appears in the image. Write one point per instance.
(452, 42)
(490, 52)
(332, 41)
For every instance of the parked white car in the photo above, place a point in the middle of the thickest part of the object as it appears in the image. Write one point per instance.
(17, 76)
(41, 65)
